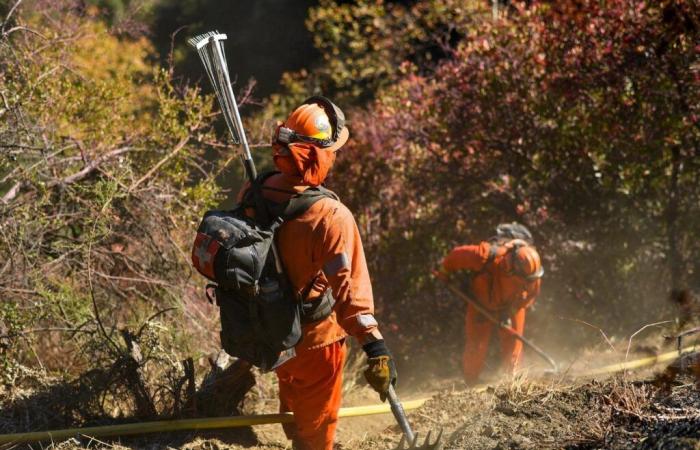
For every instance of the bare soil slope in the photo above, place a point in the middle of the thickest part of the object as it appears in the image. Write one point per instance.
(616, 413)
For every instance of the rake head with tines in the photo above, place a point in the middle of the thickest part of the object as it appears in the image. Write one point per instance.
(426, 445)
(409, 438)
(210, 47)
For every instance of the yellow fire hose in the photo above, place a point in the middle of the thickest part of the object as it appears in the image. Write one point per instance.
(638, 363)
(210, 423)
(261, 419)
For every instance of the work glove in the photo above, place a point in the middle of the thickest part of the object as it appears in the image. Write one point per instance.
(381, 370)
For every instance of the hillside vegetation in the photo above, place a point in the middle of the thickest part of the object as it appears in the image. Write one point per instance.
(580, 119)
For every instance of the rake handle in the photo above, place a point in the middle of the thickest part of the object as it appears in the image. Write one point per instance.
(484, 312)
(400, 415)
(246, 156)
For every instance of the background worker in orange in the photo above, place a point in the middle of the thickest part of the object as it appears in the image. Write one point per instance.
(322, 255)
(505, 276)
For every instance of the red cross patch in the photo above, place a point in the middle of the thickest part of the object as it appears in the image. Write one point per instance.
(203, 252)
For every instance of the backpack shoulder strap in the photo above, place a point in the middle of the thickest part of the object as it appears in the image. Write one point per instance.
(299, 203)
(493, 251)
(255, 188)
(294, 207)
(266, 211)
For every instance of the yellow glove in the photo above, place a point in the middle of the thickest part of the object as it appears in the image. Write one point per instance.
(381, 370)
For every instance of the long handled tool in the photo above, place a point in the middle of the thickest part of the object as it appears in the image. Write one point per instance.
(210, 47)
(484, 312)
(409, 440)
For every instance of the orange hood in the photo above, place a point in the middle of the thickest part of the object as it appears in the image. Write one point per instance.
(306, 161)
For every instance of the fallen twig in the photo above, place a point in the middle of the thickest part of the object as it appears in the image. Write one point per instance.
(607, 340)
(629, 343)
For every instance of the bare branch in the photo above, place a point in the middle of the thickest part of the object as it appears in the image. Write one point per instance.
(92, 289)
(135, 280)
(629, 343)
(44, 330)
(180, 145)
(159, 313)
(46, 159)
(23, 28)
(171, 58)
(88, 169)
(246, 95)
(605, 337)
(9, 15)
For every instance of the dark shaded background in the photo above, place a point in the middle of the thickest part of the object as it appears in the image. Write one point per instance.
(265, 37)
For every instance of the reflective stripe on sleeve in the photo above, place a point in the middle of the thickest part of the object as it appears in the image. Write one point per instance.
(367, 320)
(336, 264)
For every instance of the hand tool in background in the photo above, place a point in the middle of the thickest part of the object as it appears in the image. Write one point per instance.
(489, 316)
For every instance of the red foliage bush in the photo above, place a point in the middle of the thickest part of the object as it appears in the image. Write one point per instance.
(579, 119)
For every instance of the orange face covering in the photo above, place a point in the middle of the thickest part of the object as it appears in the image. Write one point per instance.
(307, 161)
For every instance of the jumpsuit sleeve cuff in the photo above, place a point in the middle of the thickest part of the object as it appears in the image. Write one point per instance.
(360, 325)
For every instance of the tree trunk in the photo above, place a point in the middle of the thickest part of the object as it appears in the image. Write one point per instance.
(223, 388)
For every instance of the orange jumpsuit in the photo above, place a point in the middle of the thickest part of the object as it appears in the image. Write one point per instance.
(497, 290)
(321, 249)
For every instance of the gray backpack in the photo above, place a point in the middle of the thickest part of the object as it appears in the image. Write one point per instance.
(261, 317)
(513, 230)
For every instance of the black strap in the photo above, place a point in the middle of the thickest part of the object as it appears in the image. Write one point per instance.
(335, 114)
(284, 191)
(493, 250)
(254, 198)
(299, 203)
(292, 208)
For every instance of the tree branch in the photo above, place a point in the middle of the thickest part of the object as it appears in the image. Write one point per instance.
(180, 145)
(91, 167)
(9, 15)
(629, 343)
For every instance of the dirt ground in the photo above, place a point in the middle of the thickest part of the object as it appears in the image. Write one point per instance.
(626, 411)
(616, 413)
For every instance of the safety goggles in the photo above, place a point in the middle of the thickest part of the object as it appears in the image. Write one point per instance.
(535, 276)
(287, 136)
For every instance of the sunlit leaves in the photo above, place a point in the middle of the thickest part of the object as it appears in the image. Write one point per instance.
(564, 116)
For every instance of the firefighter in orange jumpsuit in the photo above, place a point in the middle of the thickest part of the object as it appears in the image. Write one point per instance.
(322, 254)
(505, 277)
